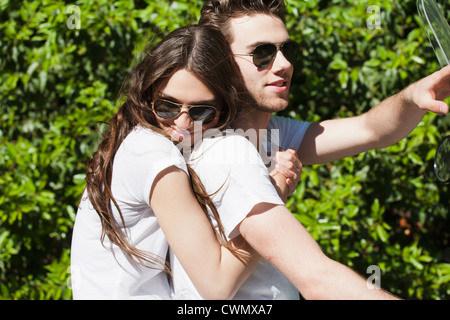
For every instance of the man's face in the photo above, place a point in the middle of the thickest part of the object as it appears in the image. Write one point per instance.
(269, 86)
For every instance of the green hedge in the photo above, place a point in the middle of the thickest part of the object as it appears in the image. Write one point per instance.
(61, 71)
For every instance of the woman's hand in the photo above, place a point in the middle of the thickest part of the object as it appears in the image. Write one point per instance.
(287, 172)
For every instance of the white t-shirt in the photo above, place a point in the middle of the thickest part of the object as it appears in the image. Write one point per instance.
(232, 171)
(100, 272)
(235, 161)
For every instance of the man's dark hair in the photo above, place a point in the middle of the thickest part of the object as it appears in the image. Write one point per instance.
(218, 13)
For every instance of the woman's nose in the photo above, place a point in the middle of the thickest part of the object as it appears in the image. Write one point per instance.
(184, 121)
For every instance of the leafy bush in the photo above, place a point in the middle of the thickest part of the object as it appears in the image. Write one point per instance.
(61, 71)
(383, 207)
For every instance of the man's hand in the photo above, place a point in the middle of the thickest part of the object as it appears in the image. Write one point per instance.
(428, 93)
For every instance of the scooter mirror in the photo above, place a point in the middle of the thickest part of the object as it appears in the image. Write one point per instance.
(442, 161)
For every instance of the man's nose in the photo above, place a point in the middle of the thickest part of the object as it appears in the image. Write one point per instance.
(280, 63)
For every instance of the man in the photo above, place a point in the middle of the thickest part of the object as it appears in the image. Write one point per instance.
(252, 29)
(248, 24)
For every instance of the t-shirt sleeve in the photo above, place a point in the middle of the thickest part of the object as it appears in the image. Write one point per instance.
(233, 172)
(291, 131)
(141, 157)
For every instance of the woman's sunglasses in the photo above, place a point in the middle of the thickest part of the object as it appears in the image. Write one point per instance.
(168, 110)
(264, 54)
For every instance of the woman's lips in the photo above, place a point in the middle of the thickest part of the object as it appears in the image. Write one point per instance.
(181, 135)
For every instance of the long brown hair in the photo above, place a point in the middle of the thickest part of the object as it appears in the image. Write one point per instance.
(218, 13)
(204, 52)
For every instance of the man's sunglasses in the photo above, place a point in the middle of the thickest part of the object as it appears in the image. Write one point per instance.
(168, 110)
(264, 54)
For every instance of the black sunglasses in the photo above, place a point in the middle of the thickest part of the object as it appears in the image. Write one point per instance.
(167, 110)
(264, 54)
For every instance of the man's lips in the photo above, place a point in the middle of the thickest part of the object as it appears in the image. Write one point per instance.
(279, 85)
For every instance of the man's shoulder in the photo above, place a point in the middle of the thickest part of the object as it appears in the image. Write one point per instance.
(227, 138)
(290, 132)
(228, 149)
(279, 121)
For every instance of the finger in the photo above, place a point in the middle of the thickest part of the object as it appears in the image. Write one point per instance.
(287, 172)
(286, 159)
(274, 171)
(290, 183)
(438, 107)
(294, 157)
(291, 186)
(291, 151)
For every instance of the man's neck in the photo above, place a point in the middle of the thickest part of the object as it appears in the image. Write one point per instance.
(251, 122)
(252, 119)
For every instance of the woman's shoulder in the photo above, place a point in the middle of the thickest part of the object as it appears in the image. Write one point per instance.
(139, 132)
(144, 144)
(146, 139)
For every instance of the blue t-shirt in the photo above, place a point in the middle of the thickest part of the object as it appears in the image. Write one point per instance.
(291, 131)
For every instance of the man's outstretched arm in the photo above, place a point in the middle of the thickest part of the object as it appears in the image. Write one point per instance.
(386, 124)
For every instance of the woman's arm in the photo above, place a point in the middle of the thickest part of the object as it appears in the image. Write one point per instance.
(213, 269)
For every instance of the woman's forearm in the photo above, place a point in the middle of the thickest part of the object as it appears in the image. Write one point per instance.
(214, 270)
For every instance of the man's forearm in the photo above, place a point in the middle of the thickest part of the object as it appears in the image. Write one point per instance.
(392, 120)
(386, 124)
(383, 125)
(338, 282)
(280, 238)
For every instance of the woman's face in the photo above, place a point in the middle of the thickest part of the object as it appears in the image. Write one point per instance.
(186, 90)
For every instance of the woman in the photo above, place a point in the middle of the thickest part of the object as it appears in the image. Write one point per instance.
(139, 199)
